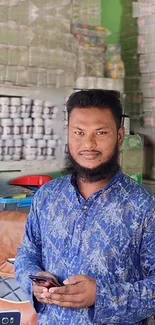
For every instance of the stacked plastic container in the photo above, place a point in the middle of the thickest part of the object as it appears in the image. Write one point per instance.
(145, 12)
(27, 129)
(128, 40)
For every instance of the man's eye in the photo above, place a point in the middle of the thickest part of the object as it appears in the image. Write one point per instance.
(101, 133)
(79, 133)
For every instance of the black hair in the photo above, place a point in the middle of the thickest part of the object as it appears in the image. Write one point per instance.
(97, 98)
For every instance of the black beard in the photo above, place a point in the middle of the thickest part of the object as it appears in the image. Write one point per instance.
(92, 175)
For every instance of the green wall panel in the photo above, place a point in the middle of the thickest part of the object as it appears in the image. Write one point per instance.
(111, 18)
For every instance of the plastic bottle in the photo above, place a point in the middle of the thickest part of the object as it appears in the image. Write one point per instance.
(18, 146)
(25, 107)
(38, 128)
(27, 128)
(8, 150)
(17, 128)
(30, 150)
(37, 109)
(6, 125)
(4, 107)
(15, 107)
(41, 149)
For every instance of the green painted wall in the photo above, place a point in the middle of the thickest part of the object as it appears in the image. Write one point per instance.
(111, 18)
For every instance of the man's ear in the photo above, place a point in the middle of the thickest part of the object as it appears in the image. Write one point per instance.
(121, 134)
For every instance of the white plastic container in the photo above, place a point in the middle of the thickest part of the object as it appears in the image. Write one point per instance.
(47, 110)
(8, 150)
(27, 128)
(147, 84)
(51, 148)
(147, 63)
(4, 107)
(48, 129)
(146, 43)
(25, 107)
(41, 149)
(18, 146)
(15, 107)
(17, 128)
(6, 125)
(56, 137)
(146, 24)
(54, 116)
(37, 109)
(30, 150)
(38, 128)
(2, 149)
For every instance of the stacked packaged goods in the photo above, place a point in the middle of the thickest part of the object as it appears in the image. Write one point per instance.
(144, 10)
(36, 45)
(27, 129)
(129, 34)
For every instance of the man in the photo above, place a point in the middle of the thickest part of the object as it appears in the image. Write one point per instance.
(93, 230)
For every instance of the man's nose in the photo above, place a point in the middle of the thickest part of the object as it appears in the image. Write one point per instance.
(90, 142)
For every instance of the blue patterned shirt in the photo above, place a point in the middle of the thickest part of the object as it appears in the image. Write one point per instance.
(110, 236)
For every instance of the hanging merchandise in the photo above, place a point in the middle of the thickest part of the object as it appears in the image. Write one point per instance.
(114, 66)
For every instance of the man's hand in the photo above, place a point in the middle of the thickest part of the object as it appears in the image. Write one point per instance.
(39, 289)
(79, 292)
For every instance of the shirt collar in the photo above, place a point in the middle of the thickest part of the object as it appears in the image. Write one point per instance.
(117, 177)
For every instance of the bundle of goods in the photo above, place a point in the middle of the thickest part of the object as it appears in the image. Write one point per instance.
(114, 66)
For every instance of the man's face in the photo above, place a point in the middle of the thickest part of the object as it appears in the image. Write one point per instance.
(93, 137)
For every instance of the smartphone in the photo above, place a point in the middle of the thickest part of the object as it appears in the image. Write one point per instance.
(38, 279)
(10, 317)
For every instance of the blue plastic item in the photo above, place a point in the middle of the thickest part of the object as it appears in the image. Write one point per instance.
(16, 204)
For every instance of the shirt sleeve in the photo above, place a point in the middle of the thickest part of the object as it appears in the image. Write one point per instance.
(127, 303)
(29, 255)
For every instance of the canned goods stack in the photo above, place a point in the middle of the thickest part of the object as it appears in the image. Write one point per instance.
(27, 129)
(144, 10)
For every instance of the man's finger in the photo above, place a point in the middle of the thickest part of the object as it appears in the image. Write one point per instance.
(66, 304)
(75, 299)
(68, 290)
(75, 279)
(39, 289)
(43, 301)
